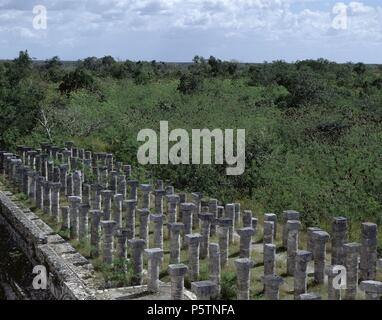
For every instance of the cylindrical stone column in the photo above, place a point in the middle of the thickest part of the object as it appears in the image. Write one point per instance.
(288, 215)
(137, 246)
(206, 219)
(175, 230)
(177, 273)
(144, 224)
(55, 199)
(333, 292)
(154, 258)
(187, 209)
(300, 273)
(83, 222)
(310, 240)
(193, 241)
(230, 214)
(272, 217)
(247, 219)
(95, 218)
(246, 235)
(106, 196)
(320, 239)
(223, 232)
(243, 269)
(159, 194)
(368, 253)
(339, 238)
(293, 227)
(129, 209)
(117, 209)
(214, 267)
(272, 285)
(351, 251)
(108, 230)
(269, 259)
(146, 191)
(74, 203)
(158, 220)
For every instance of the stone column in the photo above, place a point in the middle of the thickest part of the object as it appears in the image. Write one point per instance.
(272, 217)
(196, 199)
(214, 266)
(55, 199)
(213, 209)
(158, 229)
(177, 273)
(121, 185)
(86, 193)
(373, 289)
(221, 213)
(268, 232)
(69, 185)
(83, 222)
(243, 271)
(206, 219)
(368, 253)
(175, 229)
(154, 258)
(129, 209)
(95, 196)
(224, 225)
(121, 255)
(77, 183)
(106, 196)
(247, 219)
(293, 227)
(300, 273)
(255, 222)
(333, 293)
(65, 225)
(230, 213)
(320, 239)
(269, 259)
(246, 235)
(74, 203)
(46, 197)
(113, 181)
(172, 203)
(339, 238)
(159, 194)
(310, 240)
(272, 285)
(351, 251)
(32, 185)
(204, 290)
(193, 241)
(133, 185)
(108, 230)
(137, 247)
(146, 190)
(186, 209)
(117, 209)
(95, 218)
(103, 176)
(144, 224)
(288, 215)
(237, 213)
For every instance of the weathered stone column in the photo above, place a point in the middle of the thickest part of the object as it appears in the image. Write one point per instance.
(121, 185)
(121, 255)
(146, 191)
(113, 181)
(172, 203)
(373, 289)
(187, 209)
(223, 232)
(272, 285)
(333, 293)
(221, 213)
(46, 197)
(32, 177)
(65, 224)
(213, 209)
(108, 230)
(243, 270)
(339, 238)
(193, 241)
(95, 218)
(206, 219)
(137, 246)
(69, 185)
(246, 235)
(133, 185)
(272, 217)
(103, 176)
(158, 220)
(106, 196)
(154, 258)
(175, 229)
(268, 232)
(77, 183)
(293, 227)
(310, 240)
(320, 239)
(368, 253)
(255, 222)
(144, 224)
(117, 209)
(177, 273)
(288, 215)
(95, 196)
(74, 203)
(86, 193)
(39, 192)
(197, 200)
(159, 194)
(351, 251)
(247, 219)
(230, 214)
(237, 213)
(269, 259)
(204, 290)
(129, 209)
(55, 199)
(214, 267)
(300, 273)
(83, 222)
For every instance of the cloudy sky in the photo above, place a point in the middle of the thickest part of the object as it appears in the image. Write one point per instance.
(177, 30)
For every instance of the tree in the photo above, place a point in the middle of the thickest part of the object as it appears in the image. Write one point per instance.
(75, 80)
(190, 83)
(360, 69)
